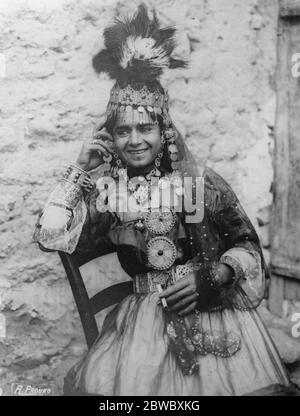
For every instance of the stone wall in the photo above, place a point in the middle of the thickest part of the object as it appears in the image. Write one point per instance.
(50, 98)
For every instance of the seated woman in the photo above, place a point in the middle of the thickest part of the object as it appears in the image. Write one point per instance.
(190, 326)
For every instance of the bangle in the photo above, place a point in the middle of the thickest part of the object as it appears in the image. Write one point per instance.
(217, 279)
(66, 194)
(78, 177)
(235, 266)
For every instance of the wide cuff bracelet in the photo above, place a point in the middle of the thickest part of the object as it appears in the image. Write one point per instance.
(78, 177)
(235, 265)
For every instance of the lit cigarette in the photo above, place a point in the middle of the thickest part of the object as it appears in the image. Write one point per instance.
(163, 300)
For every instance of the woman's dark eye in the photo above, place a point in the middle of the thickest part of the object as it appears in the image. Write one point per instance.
(122, 132)
(145, 129)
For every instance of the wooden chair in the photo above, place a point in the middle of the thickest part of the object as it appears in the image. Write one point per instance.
(87, 306)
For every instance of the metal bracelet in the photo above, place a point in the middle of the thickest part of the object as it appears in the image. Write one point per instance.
(78, 177)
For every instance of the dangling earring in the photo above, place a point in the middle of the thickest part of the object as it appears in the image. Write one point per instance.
(158, 158)
(157, 161)
(170, 136)
(118, 160)
(105, 168)
(119, 169)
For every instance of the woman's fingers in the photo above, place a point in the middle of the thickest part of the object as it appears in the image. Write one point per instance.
(186, 291)
(188, 309)
(98, 147)
(183, 303)
(180, 284)
(104, 135)
(103, 139)
(100, 124)
(103, 144)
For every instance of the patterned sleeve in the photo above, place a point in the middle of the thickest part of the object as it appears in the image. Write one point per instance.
(65, 226)
(95, 235)
(248, 271)
(242, 249)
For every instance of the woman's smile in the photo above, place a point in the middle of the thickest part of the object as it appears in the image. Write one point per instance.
(137, 141)
(138, 152)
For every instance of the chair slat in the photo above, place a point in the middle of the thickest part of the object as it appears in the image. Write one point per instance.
(81, 298)
(110, 296)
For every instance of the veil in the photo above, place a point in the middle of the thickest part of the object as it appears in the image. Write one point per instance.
(222, 229)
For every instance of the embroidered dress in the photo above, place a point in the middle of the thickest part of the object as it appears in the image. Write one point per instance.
(222, 348)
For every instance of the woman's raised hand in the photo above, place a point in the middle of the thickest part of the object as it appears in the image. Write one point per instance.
(93, 150)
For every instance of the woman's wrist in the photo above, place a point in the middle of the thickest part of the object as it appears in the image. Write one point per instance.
(222, 274)
(82, 166)
(226, 274)
(78, 177)
(234, 264)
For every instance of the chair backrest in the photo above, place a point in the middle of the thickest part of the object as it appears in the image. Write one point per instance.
(87, 306)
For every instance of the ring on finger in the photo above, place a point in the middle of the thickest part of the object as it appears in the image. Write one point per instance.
(98, 136)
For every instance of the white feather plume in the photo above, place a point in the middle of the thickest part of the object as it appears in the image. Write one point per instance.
(143, 49)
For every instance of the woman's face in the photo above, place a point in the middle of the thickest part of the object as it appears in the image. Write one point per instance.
(136, 139)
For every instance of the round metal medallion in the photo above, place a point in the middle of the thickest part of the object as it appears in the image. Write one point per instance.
(161, 253)
(160, 222)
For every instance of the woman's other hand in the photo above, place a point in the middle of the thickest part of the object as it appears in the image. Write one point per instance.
(182, 297)
(92, 151)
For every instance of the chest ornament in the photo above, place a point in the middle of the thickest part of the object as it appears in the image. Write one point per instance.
(160, 222)
(161, 253)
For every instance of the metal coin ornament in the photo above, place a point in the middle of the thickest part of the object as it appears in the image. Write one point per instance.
(173, 151)
(108, 158)
(139, 225)
(141, 195)
(158, 222)
(175, 165)
(161, 253)
(173, 148)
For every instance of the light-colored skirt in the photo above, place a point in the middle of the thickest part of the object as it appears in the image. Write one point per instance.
(132, 356)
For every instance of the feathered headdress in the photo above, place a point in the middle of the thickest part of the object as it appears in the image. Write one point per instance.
(137, 49)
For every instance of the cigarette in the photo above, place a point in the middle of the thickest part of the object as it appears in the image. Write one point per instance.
(163, 300)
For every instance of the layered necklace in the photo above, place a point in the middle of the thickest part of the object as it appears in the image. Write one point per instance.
(157, 220)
